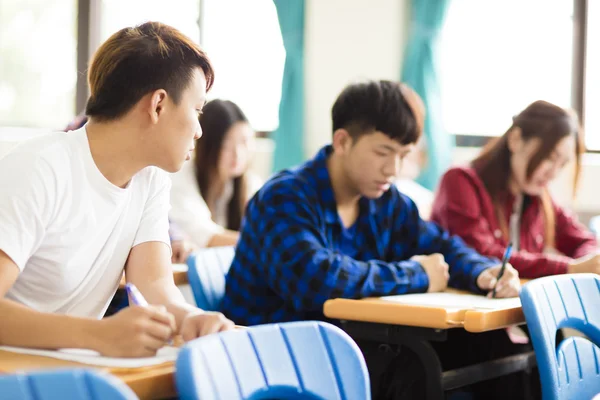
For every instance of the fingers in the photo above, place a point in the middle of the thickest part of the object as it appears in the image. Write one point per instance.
(508, 289)
(486, 280)
(159, 331)
(205, 324)
(215, 323)
(152, 344)
(160, 314)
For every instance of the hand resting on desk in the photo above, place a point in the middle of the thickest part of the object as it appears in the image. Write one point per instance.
(436, 269)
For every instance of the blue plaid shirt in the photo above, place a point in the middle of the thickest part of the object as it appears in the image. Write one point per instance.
(288, 260)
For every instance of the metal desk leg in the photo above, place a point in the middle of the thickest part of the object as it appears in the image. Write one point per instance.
(431, 366)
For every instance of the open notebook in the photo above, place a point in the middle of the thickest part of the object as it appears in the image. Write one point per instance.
(454, 301)
(166, 354)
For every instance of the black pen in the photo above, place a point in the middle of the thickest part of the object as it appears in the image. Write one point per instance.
(504, 261)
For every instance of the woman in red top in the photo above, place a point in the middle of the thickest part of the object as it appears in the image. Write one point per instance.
(503, 197)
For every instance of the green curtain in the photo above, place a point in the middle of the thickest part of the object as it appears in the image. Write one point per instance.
(420, 72)
(289, 136)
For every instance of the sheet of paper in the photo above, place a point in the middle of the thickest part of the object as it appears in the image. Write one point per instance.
(454, 301)
(91, 357)
(180, 267)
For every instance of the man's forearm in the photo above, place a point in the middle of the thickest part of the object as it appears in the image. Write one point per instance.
(23, 327)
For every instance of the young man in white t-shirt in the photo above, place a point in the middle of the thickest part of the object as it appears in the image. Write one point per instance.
(77, 209)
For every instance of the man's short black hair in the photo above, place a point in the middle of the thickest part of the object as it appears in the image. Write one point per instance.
(376, 105)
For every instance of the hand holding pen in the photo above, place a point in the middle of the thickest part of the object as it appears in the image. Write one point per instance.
(501, 280)
(137, 331)
(505, 259)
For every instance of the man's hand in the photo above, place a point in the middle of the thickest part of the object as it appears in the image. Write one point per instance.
(135, 332)
(509, 284)
(181, 250)
(204, 323)
(436, 269)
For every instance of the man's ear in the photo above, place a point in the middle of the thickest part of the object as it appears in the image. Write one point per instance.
(515, 140)
(158, 100)
(342, 141)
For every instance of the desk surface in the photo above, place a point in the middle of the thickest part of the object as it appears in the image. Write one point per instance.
(153, 382)
(381, 311)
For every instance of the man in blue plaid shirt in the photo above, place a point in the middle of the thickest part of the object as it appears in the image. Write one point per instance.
(336, 226)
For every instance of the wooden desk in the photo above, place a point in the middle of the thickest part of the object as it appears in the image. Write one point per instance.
(380, 321)
(385, 312)
(155, 382)
(179, 276)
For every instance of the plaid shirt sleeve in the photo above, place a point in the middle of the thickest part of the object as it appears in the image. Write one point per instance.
(301, 267)
(465, 263)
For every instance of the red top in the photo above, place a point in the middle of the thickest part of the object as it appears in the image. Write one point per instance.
(463, 206)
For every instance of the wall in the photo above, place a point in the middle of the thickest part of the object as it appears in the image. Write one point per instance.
(346, 40)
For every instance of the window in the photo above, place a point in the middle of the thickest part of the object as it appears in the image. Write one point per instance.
(592, 78)
(243, 40)
(38, 74)
(181, 14)
(496, 57)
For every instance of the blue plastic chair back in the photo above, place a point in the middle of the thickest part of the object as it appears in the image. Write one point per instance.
(72, 384)
(570, 369)
(295, 360)
(207, 269)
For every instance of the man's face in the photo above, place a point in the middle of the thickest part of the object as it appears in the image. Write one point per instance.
(372, 163)
(178, 126)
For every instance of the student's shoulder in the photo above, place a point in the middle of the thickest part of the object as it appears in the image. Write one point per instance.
(45, 153)
(460, 176)
(288, 184)
(153, 178)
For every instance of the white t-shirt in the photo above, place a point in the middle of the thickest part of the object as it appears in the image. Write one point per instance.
(191, 214)
(69, 229)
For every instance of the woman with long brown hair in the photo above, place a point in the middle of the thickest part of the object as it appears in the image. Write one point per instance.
(503, 196)
(209, 195)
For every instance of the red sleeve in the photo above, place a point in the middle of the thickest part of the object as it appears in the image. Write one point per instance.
(459, 207)
(572, 237)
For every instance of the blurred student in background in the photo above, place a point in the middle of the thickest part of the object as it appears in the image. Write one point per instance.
(209, 195)
(503, 196)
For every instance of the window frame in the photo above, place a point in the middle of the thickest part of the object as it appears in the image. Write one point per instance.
(580, 21)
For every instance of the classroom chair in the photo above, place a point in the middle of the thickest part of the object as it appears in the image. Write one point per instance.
(294, 360)
(569, 369)
(58, 384)
(207, 269)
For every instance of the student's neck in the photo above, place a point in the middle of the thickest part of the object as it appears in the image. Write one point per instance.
(115, 153)
(513, 187)
(215, 191)
(346, 197)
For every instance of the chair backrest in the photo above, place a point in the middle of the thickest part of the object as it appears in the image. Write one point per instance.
(207, 269)
(294, 360)
(73, 384)
(570, 369)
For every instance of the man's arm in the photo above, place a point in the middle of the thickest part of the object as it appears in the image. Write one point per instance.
(225, 238)
(300, 265)
(149, 268)
(135, 332)
(465, 264)
(22, 326)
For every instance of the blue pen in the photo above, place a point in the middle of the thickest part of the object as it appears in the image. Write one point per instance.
(135, 295)
(504, 261)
